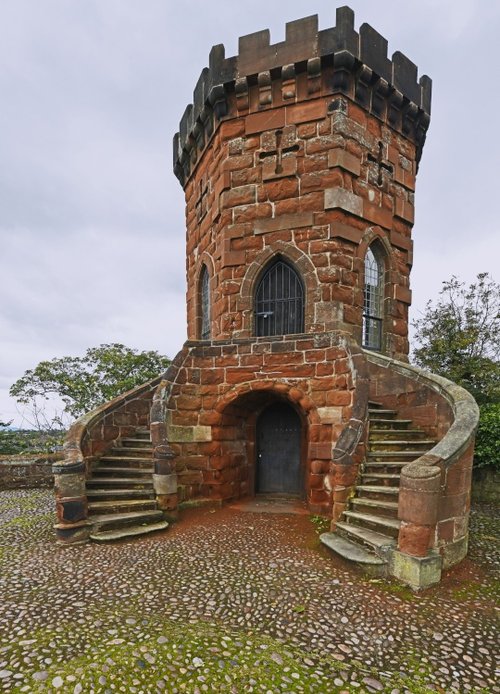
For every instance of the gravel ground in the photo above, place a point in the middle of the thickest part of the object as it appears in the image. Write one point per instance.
(226, 601)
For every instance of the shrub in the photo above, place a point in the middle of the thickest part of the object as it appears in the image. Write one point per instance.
(487, 451)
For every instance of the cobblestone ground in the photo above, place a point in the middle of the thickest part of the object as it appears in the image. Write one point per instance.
(227, 601)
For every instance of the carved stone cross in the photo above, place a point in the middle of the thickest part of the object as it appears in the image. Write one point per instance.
(278, 152)
(382, 165)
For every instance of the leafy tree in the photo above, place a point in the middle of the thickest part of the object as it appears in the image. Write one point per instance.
(459, 336)
(83, 383)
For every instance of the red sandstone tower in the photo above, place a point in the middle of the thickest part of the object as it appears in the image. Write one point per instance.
(298, 162)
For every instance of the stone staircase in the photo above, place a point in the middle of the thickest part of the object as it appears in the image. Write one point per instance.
(368, 530)
(120, 493)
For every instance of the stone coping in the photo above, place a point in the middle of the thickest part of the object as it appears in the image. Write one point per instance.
(74, 459)
(30, 458)
(465, 417)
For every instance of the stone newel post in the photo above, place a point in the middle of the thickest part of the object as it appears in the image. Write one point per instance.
(415, 560)
(164, 477)
(72, 525)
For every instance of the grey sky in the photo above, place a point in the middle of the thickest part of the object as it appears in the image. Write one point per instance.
(91, 216)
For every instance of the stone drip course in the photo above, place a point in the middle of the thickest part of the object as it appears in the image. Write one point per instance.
(228, 601)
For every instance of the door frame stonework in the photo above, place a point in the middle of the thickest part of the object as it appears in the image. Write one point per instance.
(250, 403)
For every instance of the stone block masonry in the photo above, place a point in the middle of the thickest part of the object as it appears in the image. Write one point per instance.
(216, 391)
(27, 471)
(304, 152)
(316, 176)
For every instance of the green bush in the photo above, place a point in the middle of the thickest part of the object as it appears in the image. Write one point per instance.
(487, 451)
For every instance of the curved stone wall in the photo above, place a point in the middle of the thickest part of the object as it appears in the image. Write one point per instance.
(89, 438)
(434, 498)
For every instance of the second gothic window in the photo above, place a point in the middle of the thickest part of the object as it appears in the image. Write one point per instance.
(373, 308)
(205, 304)
(279, 301)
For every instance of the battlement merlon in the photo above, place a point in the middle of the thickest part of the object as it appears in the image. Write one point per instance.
(360, 68)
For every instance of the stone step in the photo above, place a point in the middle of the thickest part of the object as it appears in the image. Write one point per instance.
(129, 450)
(352, 551)
(392, 523)
(392, 423)
(123, 493)
(114, 520)
(394, 455)
(381, 476)
(131, 531)
(413, 434)
(122, 506)
(377, 490)
(125, 470)
(121, 459)
(135, 442)
(380, 413)
(400, 445)
(366, 536)
(135, 481)
(379, 504)
(387, 463)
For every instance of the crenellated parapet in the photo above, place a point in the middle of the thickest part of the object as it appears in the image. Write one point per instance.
(309, 63)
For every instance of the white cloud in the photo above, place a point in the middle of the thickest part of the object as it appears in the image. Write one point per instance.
(91, 216)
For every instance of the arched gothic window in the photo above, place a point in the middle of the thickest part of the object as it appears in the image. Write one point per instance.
(279, 301)
(373, 308)
(205, 304)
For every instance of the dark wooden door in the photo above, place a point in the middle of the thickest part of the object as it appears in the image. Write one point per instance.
(278, 450)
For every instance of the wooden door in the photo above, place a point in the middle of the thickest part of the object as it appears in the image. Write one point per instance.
(278, 450)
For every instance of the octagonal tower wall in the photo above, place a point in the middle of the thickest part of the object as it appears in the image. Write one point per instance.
(309, 149)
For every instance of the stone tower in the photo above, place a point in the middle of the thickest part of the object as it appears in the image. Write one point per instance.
(298, 163)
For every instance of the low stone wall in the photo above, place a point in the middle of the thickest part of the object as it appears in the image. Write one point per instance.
(27, 471)
(486, 486)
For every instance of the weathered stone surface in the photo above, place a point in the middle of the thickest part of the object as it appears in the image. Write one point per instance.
(418, 572)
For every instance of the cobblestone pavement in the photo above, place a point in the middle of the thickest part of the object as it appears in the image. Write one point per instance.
(227, 601)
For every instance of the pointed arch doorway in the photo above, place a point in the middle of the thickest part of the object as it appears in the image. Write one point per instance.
(279, 442)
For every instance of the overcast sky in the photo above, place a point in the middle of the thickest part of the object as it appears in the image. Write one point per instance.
(91, 215)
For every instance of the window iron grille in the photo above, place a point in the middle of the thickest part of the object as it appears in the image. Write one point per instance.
(279, 302)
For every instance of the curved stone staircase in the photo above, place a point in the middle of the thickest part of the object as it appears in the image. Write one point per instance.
(368, 529)
(121, 498)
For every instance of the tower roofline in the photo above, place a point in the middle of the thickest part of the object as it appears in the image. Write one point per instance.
(362, 54)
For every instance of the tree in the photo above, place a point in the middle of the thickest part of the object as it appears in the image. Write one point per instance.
(459, 336)
(83, 383)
